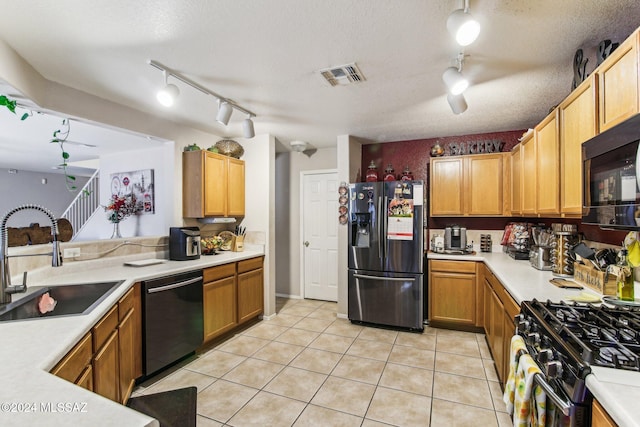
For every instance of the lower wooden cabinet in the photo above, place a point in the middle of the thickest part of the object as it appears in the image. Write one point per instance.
(599, 417)
(452, 293)
(106, 377)
(233, 294)
(109, 358)
(76, 365)
(250, 289)
(499, 322)
(219, 303)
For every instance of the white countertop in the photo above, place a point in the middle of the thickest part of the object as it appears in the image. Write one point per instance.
(618, 391)
(29, 394)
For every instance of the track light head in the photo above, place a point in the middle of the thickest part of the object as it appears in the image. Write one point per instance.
(224, 112)
(247, 128)
(463, 27)
(168, 94)
(457, 103)
(455, 81)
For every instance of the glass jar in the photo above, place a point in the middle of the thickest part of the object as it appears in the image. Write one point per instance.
(372, 172)
(388, 173)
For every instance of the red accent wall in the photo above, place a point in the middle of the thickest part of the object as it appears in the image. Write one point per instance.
(417, 155)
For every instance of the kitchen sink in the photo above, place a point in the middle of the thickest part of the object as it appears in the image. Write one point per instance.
(71, 300)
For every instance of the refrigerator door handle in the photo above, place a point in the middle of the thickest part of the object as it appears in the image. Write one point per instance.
(384, 227)
(389, 279)
(380, 235)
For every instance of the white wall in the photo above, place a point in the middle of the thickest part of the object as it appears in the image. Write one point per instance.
(349, 153)
(290, 240)
(158, 158)
(260, 184)
(26, 187)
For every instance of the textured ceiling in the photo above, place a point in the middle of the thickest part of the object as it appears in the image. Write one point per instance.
(265, 56)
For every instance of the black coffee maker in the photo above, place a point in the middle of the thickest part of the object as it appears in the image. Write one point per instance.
(184, 243)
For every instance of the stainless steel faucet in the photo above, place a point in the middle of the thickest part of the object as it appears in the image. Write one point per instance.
(5, 277)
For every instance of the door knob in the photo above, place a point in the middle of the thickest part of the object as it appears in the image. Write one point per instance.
(306, 243)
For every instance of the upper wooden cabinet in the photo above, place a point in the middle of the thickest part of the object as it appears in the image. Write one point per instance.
(446, 190)
(548, 166)
(578, 119)
(474, 185)
(212, 185)
(618, 84)
(516, 180)
(529, 174)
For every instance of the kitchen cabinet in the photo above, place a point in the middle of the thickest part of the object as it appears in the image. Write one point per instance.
(108, 359)
(250, 289)
(219, 300)
(452, 293)
(578, 123)
(212, 185)
(129, 341)
(233, 294)
(516, 180)
(618, 84)
(548, 166)
(499, 322)
(529, 174)
(446, 190)
(600, 417)
(105, 360)
(76, 365)
(474, 185)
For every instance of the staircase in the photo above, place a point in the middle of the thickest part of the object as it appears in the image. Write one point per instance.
(84, 204)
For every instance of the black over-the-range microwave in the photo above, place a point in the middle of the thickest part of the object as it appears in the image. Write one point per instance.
(611, 170)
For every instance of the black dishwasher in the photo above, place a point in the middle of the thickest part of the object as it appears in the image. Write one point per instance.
(173, 324)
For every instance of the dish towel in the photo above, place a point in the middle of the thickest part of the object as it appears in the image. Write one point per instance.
(529, 399)
(517, 348)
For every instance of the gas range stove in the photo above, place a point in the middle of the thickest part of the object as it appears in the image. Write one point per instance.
(568, 339)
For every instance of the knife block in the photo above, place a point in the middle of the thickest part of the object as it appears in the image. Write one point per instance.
(238, 243)
(599, 281)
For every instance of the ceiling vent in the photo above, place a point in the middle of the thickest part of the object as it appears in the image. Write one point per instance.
(343, 75)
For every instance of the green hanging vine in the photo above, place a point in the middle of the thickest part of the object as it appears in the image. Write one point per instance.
(11, 105)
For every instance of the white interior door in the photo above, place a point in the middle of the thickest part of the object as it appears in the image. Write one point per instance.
(320, 235)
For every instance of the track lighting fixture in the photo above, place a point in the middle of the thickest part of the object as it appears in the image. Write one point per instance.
(168, 94)
(247, 127)
(224, 112)
(453, 78)
(462, 26)
(457, 103)
(225, 106)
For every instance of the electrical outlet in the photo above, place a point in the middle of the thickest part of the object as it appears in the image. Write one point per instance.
(71, 252)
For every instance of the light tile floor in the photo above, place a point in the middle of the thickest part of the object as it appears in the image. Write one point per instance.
(306, 367)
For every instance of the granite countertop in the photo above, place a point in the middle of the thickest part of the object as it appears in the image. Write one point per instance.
(618, 391)
(30, 395)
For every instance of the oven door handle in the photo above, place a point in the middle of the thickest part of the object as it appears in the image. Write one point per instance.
(174, 285)
(565, 407)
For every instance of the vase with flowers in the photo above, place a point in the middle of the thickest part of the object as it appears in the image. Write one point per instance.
(119, 209)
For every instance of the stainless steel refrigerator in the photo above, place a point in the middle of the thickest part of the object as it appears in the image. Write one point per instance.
(386, 253)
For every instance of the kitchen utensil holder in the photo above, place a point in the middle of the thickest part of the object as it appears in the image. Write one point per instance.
(238, 243)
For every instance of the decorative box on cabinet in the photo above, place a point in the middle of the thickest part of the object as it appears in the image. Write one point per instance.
(212, 185)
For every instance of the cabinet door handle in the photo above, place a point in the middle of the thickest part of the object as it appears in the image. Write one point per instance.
(306, 243)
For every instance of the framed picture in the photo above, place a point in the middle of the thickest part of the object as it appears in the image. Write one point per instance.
(139, 183)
